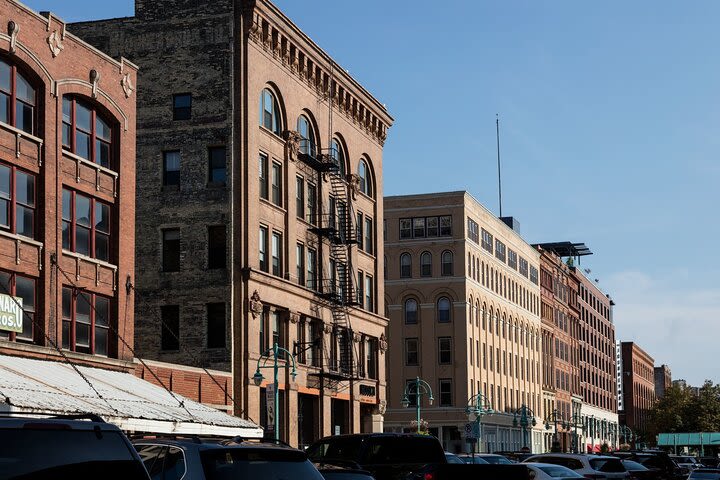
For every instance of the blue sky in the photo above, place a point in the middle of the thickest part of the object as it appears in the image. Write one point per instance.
(609, 119)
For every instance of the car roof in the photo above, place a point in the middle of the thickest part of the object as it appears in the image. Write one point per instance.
(76, 422)
(212, 443)
(374, 435)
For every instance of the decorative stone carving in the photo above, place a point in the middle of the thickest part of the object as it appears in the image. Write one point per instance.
(382, 407)
(13, 30)
(255, 304)
(95, 80)
(327, 328)
(354, 185)
(357, 337)
(383, 343)
(127, 85)
(55, 43)
(292, 144)
(294, 317)
(255, 29)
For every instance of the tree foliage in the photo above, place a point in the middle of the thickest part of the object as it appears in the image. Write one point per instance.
(684, 409)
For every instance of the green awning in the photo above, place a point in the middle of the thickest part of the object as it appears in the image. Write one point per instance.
(688, 439)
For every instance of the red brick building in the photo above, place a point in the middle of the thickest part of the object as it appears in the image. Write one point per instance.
(67, 193)
(638, 388)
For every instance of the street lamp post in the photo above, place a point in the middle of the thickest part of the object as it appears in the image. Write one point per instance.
(576, 422)
(556, 418)
(522, 414)
(477, 406)
(274, 353)
(626, 433)
(421, 387)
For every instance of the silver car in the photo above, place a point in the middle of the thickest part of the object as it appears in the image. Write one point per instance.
(590, 466)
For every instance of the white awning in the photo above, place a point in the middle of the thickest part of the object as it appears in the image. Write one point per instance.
(40, 386)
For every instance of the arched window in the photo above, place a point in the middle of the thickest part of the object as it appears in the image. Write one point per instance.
(85, 133)
(17, 99)
(364, 174)
(443, 310)
(305, 129)
(447, 263)
(270, 112)
(405, 265)
(411, 311)
(426, 264)
(338, 155)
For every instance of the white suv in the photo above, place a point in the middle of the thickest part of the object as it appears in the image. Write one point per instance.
(590, 466)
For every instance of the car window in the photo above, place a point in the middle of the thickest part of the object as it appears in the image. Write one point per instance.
(60, 453)
(152, 457)
(453, 458)
(558, 471)
(607, 464)
(571, 463)
(174, 465)
(247, 463)
(630, 465)
(497, 460)
(347, 448)
(388, 450)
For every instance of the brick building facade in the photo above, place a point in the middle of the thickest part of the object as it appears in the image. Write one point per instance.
(663, 380)
(464, 303)
(67, 193)
(259, 200)
(638, 389)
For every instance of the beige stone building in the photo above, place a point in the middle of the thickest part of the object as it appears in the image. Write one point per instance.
(463, 300)
(259, 196)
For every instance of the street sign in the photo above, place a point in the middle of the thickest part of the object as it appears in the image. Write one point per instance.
(11, 313)
(270, 402)
(470, 431)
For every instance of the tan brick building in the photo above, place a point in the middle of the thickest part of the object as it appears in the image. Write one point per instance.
(67, 189)
(259, 200)
(463, 299)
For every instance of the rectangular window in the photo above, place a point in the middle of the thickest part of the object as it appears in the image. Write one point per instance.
(171, 168)
(405, 228)
(372, 358)
(216, 331)
(445, 392)
(300, 197)
(411, 388)
(512, 259)
(533, 275)
(316, 334)
(17, 201)
(473, 230)
(419, 227)
(171, 250)
(182, 106)
(445, 350)
(359, 231)
(86, 225)
(217, 239)
(276, 328)
(487, 240)
(411, 352)
(263, 164)
(262, 328)
(217, 169)
(170, 329)
(523, 267)
(311, 204)
(500, 250)
(432, 226)
(23, 287)
(446, 226)
(311, 272)
(276, 184)
(369, 236)
(277, 254)
(262, 249)
(360, 297)
(369, 297)
(300, 263)
(86, 320)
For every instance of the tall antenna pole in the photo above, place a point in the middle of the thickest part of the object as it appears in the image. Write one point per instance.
(497, 135)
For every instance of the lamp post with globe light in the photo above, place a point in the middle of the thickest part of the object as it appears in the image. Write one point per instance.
(524, 417)
(274, 353)
(418, 388)
(477, 406)
(556, 417)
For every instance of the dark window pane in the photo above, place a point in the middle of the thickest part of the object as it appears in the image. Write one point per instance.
(67, 204)
(66, 236)
(174, 465)
(24, 116)
(101, 341)
(182, 106)
(102, 217)
(23, 90)
(82, 335)
(4, 108)
(25, 188)
(102, 129)
(66, 303)
(25, 289)
(82, 210)
(4, 181)
(66, 335)
(67, 110)
(66, 135)
(25, 221)
(82, 144)
(102, 153)
(5, 76)
(171, 250)
(216, 325)
(82, 308)
(83, 117)
(170, 331)
(4, 213)
(102, 247)
(82, 240)
(216, 246)
(171, 168)
(102, 311)
(218, 172)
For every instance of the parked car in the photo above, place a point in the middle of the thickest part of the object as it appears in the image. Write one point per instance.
(709, 462)
(343, 472)
(494, 458)
(590, 466)
(196, 459)
(452, 458)
(686, 461)
(66, 447)
(548, 471)
(514, 456)
(641, 472)
(387, 456)
(655, 460)
(436, 471)
(705, 474)
(476, 459)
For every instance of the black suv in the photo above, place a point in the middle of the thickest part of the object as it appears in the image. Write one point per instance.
(656, 460)
(388, 456)
(76, 447)
(192, 458)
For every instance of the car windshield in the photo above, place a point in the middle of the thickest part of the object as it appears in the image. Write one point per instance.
(340, 448)
(634, 466)
(685, 459)
(475, 460)
(607, 464)
(59, 453)
(451, 458)
(252, 463)
(403, 450)
(497, 460)
(557, 471)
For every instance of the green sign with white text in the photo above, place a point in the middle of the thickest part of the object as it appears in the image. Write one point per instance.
(11, 314)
